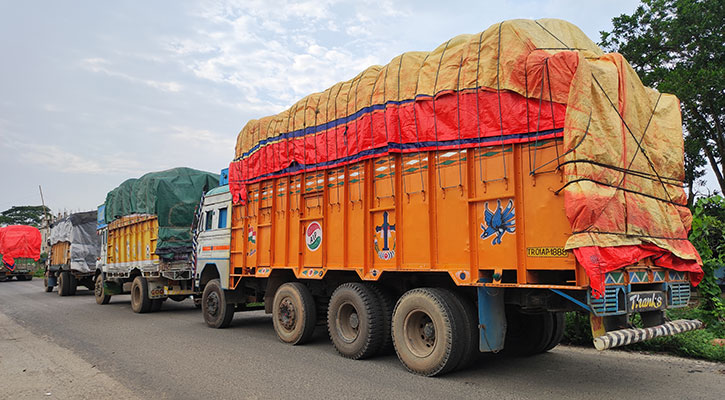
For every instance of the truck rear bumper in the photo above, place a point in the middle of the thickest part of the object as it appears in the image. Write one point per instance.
(628, 336)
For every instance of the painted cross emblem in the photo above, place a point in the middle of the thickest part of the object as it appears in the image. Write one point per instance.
(498, 222)
(385, 232)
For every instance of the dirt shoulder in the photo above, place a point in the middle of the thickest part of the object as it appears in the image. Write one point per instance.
(35, 368)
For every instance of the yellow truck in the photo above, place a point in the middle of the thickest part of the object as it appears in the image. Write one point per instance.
(459, 201)
(145, 229)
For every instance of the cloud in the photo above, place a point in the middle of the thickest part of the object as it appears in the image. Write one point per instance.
(274, 53)
(59, 159)
(100, 65)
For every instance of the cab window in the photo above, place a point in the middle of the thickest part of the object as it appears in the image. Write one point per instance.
(208, 222)
(222, 218)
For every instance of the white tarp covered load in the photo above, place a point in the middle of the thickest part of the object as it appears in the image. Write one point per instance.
(80, 231)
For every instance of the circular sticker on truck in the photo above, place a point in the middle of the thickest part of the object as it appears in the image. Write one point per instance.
(313, 236)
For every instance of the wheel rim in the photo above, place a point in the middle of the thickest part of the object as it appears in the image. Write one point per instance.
(419, 332)
(287, 314)
(212, 304)
(348, 322)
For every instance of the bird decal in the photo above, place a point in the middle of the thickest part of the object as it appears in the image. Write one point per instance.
(498, 222)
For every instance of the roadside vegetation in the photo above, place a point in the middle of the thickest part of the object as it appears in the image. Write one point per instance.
(708, 235)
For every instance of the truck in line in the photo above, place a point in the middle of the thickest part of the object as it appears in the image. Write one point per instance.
(459, 201)
(19, 252)
(74, 249)
(146, 243)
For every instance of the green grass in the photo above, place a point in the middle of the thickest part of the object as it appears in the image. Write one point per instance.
(694, 344)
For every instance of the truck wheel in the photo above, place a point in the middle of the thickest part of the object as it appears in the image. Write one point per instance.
(140, 302)
(427, 331)
(21, 277)
(558, 331)
(217, 313)
(48, 289)
(387, 304)
(355, 321)
(528, 334)
(99, 292)
(156, 305)
(179, 297)
(73, 285)
(28, 277)
(64, 283)
(293, 313)
(471, 334)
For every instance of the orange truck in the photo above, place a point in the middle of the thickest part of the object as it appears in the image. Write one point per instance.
(459, 201)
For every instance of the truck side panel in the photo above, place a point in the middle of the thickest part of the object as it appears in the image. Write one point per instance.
(132, 241)
(60, 253)
(458, 211)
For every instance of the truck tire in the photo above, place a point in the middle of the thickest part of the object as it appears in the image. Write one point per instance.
(355, 321)
(64, 283)
(21, 277)
(217, 313)
(99, 292)
(527, 334)
(294, 313)
(470, 322)
(427, 332)
(73, 285)
(179, 297)
(558, 331)
(140, 302)
(48, 289)
(387, 304)
(156, 305)
(28, 277)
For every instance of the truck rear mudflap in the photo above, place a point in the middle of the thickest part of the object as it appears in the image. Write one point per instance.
(624, 337)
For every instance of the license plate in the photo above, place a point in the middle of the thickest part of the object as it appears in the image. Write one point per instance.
(646, 301)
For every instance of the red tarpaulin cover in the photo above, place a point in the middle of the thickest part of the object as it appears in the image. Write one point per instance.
(19, 241)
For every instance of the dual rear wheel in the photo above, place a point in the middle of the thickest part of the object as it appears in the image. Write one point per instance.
(66, 284)
(532, 333)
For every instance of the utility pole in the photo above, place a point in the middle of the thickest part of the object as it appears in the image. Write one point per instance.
(46, 227)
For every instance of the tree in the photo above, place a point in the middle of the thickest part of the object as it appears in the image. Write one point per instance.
(678, 47)
(23, 215)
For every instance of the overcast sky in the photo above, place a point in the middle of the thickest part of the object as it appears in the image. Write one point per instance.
(95, 92)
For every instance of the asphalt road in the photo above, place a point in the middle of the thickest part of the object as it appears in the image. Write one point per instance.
(173, 354)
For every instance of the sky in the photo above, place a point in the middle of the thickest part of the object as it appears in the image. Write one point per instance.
(95, 92)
